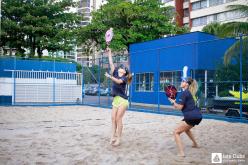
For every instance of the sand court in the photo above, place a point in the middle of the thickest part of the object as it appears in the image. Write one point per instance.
(80, 135)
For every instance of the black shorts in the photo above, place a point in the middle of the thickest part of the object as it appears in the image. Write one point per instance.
(192, 122)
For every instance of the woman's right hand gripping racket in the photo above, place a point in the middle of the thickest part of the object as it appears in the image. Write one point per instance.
(170, 91)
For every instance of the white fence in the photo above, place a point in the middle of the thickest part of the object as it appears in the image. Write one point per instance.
(44, 87)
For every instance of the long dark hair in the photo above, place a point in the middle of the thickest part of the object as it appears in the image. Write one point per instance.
(129, 78)
(128, 73)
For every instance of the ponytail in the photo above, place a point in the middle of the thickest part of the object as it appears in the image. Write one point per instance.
(193, 86)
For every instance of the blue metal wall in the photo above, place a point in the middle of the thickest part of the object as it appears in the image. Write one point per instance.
(210, 53)
(197, 50)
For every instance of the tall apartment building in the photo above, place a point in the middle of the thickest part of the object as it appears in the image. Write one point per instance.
(198, 13)
(85, 7)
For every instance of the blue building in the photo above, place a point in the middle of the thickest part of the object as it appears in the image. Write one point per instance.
(159, 62)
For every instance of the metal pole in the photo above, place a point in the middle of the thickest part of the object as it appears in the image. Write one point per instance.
(158, 78)
(216, 90)
(99, 80)
(131, 84)
(240, 74)
(53, 81)
(108, 87)
(14, 76)
(83, 91)
(130, 94)
(206, 80)
(101, 66)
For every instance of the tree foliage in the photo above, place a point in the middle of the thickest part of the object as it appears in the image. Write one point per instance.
(213, 28)
(229, 70)
(138, 21)
(38, 25)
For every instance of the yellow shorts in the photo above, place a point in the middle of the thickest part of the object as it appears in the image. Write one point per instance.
(119, 101)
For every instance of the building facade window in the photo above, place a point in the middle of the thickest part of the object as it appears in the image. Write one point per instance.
(86, 18)
(87, 14)
(234, 14)
(170, 77)
(220, 17)
(230, 1)
(144, 82)
(84, 3)
(186, 12)
(204, 4)
(199, 5)
(208, 3)
(83, 23)
(199, 21)
(84, 10)
(212, 18)
(215, 2)
(166, 1)
(196, 5)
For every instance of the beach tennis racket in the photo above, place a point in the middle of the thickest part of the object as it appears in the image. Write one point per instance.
(170, 91)
(108, 36)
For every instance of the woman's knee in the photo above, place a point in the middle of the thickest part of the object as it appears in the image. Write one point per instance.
(188, 131)
(113, 118)
(120, 115)
(119, 120)
(177, 132)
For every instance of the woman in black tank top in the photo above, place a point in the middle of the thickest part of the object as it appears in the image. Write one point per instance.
(192, 114)
(120, 77)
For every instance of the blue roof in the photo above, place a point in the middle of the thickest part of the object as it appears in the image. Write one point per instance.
(186, 38)
(198, 50)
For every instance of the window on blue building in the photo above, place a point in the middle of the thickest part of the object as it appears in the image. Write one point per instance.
(144, 82)
(170, 77)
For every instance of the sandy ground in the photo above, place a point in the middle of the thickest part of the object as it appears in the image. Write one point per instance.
(80, 135)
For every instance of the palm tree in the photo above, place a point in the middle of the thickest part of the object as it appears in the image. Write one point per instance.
(213, 28)
(234, 50)
(233, 29)
(242, 8)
